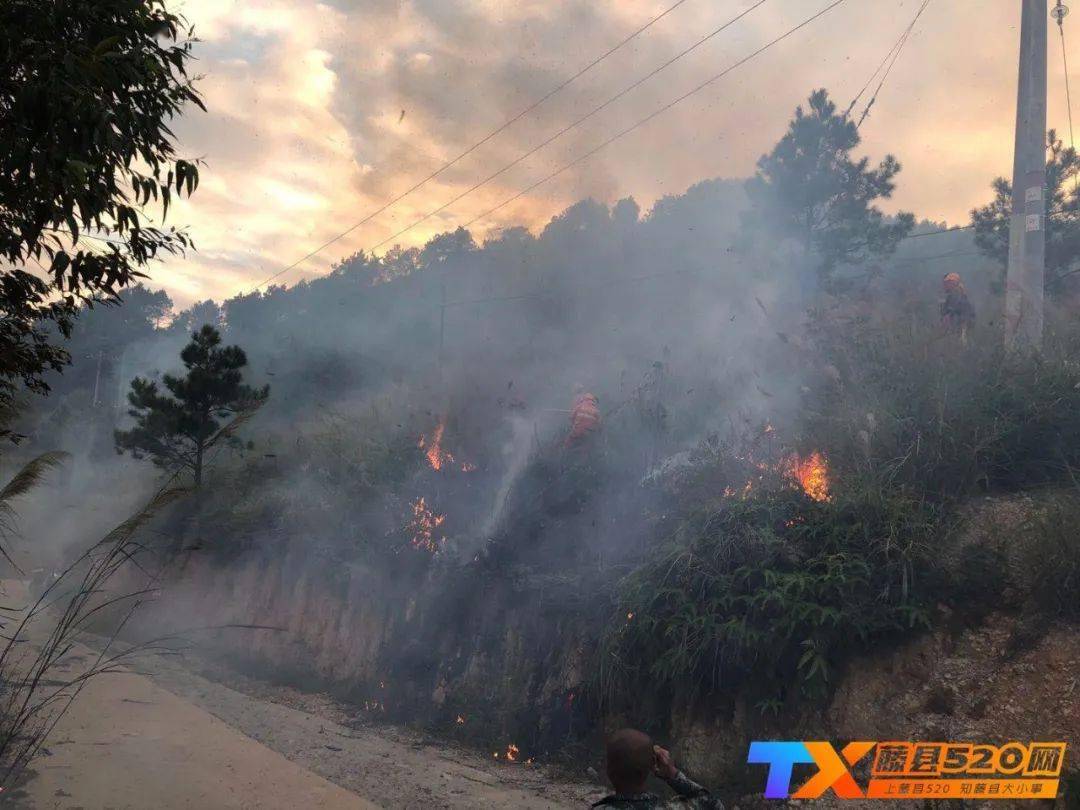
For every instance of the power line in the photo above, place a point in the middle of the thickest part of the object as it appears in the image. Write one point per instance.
(656, 113)
(622, 133)
(686, 272)
(940, 231)
(509, 122)
(572, 125)
(642, 122)
(1000, 221)
(874, 75)
(1059, 11)
(898, 48)
(1068, 92)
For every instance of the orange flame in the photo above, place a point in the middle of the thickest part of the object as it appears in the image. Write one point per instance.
(425, 527)
(512, 752)
(811, 472)
(433, 449)
(437, 456)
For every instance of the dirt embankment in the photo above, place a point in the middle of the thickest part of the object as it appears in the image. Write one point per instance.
(519, 665)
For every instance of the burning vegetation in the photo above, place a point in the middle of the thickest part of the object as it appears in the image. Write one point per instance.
(425, 526)
(436, 456)
(811, 472)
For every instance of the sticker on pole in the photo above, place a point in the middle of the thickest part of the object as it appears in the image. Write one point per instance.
(1033, 223)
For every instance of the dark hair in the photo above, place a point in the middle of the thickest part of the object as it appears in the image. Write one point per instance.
(629, 760)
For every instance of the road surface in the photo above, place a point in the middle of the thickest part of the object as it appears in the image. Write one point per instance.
(166, 737)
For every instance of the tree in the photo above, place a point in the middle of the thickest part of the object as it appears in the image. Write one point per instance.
(809, 188)
(102, 335)
(201, 312)
(176, 431)
(86, 94)
(991, 222)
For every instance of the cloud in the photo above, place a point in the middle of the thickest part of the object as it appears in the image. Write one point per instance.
(320, 113)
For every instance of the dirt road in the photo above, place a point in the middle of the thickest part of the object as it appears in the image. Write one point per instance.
(166, 737)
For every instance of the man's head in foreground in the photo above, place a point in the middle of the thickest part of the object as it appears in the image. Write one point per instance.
(630, 760)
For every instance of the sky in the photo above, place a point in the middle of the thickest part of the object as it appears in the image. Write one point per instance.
(319, 113)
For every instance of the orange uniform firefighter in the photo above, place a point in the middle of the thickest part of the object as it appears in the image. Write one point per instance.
(957, 313)
(584, 417)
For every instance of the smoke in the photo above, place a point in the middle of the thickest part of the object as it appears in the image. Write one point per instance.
(334, 525)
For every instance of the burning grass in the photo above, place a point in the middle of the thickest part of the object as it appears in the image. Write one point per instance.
(812, 473)
(438, 457)
(433, 447)
(425, 526)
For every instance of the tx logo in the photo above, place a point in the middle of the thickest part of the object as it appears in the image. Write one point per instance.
(832, 772)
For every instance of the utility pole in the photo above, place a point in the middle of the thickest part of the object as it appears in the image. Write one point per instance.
(1027, 227)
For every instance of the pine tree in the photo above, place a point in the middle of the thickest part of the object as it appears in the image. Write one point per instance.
(810, 189)
(176, 429)
(991, 221)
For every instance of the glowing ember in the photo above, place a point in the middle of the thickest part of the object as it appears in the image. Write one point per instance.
(433, 448)
(460, 720)
(512, 752)
(811, 472)
(425, 527)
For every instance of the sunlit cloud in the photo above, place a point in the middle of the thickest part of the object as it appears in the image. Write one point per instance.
(320, 113)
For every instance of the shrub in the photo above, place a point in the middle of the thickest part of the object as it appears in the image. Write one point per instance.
(915, 409)
(771, 592)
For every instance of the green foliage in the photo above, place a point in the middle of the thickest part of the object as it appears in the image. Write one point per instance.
(810, 189)
(86, 94)
(175, 431)
(770, 593)
(911, 408)
(991, 221)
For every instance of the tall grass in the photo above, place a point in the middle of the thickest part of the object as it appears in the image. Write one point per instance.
(36, 684)
(768, 592)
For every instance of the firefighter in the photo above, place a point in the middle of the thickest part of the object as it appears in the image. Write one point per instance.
(584, 417)
(631, 757)
(957, 313)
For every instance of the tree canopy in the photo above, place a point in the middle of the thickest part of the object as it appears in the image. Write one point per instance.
(809, 188)
(991, 221)
(174, 430)
(87, 91)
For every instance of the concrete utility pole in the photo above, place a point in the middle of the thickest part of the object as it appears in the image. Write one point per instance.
(1027, 227)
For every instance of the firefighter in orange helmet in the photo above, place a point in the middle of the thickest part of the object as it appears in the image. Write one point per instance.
(957, 313)
(584, 417)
